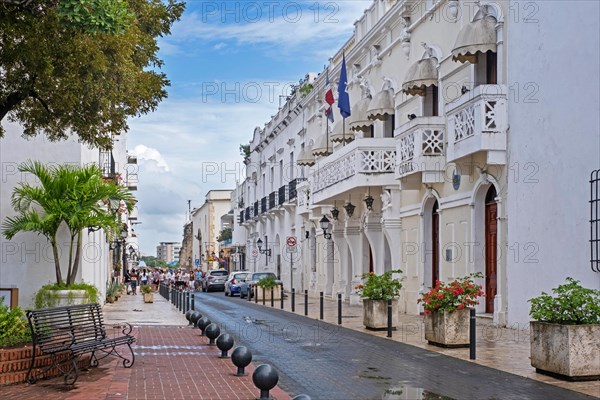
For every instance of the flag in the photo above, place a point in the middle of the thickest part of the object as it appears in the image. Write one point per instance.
(329, 98)
(343, 97)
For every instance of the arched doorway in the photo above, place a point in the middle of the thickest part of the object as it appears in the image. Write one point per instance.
(435, 244)
(491, 243)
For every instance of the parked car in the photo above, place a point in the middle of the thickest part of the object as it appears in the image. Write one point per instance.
(232, 286)
(251, 280)
(214, 279)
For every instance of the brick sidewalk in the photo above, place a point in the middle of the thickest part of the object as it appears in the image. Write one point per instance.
(172, 362)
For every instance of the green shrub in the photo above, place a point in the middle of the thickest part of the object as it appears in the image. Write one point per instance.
(146, 289)
(572, 305)
(267, 282)
(14, 329)
(47, 297)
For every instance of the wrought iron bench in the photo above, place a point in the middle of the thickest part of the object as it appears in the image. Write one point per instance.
(66, 333)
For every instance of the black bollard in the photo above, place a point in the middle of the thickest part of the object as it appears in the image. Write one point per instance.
(187, 302)
(472, 333)
(282, 297)
(256, 294)
(241, 358)
(339, 308)
(272, 296)
(263, 293)
(224, 343)
(305, 302)
(302, 397)
(389, 318)
(188, 315)
(193, 302)
(202, 323)
(320, 305)
(265, 377)
(293, 300)
(249, 291)
(212, 332)
(194, 317)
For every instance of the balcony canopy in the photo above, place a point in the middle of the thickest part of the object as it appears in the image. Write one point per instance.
(476, 36)
(421, 74)
(305, 158)
(322, 147)
(381, 106)
(359, 120)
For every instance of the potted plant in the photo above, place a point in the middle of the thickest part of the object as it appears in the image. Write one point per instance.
(447, 310)
(148, 294)
(564, 335)
(376, 290)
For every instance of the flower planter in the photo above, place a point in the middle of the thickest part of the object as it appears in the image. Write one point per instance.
(148, 297)
(565, 351)
(276, 293)
(446, 329)
(69, 297)
(375, 314)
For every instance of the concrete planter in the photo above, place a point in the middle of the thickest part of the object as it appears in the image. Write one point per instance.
(446, 329)
(375, 314)
(148, 297)
(258, 292)
(69, 297)
(566, 351)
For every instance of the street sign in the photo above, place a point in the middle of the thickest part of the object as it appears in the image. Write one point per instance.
(290, 243)
(254, 252)
(197, 262)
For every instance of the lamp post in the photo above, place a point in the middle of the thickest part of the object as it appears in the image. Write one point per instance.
(259, 244)
(124, 234)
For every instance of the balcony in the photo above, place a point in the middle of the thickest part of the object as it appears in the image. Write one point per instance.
(421, 150)
(263, 205)
(282, 194)
(107, 164)
(362, 163)
(272, 202)
(131, 180)
(255, 215)
(241, 217)
(293, 188)
(477, 122)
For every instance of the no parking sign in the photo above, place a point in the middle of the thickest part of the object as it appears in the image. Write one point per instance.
(290, 243)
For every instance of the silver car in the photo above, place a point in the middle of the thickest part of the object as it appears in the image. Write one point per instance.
(251, 280)
(214, 279)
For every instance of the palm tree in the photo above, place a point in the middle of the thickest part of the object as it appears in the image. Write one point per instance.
(73, 195)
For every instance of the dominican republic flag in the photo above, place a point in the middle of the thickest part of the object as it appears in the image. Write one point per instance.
(343, 97)
(329, 98)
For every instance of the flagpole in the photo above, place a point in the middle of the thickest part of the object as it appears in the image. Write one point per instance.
(327, 131)
(344, 131)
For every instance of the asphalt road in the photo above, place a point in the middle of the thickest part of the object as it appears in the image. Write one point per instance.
(329, 362)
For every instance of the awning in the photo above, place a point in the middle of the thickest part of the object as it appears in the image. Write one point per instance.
(382, 105)
(322, 147)
(305, 158)
(476, 36)
(421, 74)
(342, 138)
(359, 120)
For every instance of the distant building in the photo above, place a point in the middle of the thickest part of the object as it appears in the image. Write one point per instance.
(168, 251)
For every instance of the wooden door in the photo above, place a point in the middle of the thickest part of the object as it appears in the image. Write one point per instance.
(491, 239)
(435, 248)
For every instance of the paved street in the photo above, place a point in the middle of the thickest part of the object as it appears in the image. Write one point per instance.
(331, 362)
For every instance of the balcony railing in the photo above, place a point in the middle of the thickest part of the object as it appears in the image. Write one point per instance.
(272, 202)
(256, 213)
(420, 146)
(263, 205)
(364, 162)
(293, 188)
(477, 121)
(107, 164)
(282, 194)
(241, 217)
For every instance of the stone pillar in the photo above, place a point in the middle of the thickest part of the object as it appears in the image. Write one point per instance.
(354, 239)
(341, 254)
(374, 235)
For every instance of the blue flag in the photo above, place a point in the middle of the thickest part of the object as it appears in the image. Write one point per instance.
(343, 97)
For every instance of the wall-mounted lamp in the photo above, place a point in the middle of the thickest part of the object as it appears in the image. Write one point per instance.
(259, 244)
(369, 201)
(349, 207)
(335, 213)
(325, 225)
(93, 229)
(411, 117)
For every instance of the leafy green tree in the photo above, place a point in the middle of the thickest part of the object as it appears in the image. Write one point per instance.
(75, 196)
(59, 81)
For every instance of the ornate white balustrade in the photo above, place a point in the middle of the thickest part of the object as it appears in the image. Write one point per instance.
(477, 121)
(363, 162)
(421, 149)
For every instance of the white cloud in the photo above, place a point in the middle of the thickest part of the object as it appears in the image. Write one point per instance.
(219, 46)
(145, 153)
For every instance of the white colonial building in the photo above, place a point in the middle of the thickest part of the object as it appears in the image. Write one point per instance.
(27, 261)
(473, 133)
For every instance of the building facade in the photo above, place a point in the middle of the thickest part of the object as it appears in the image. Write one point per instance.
(168, 251)
(27, 261)
(206, 222)
(459, 156)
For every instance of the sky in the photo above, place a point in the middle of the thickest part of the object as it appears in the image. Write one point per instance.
(228, 62)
